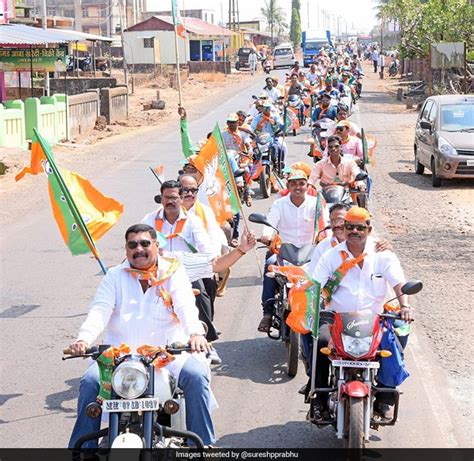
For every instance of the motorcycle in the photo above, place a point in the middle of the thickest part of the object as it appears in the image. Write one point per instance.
(288, 254)
(353, 351)
(241, 176)
(292, 114)
(145, 407)
(393, 69)
(337, 193)
(269, 153)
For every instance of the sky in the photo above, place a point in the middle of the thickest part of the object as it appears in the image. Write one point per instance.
(358, 15)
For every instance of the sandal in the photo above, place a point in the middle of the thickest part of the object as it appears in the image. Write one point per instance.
(265, 324)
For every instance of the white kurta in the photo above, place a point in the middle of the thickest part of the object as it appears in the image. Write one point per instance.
(361, 288)
(127, 315)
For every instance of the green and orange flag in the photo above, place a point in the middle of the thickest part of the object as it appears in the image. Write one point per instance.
(83, 214)
(218, 179)
(178, 23)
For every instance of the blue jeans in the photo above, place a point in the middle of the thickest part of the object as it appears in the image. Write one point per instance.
(269, 285)
(193, 380)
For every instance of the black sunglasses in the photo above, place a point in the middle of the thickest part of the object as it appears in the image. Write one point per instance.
(359, 227)
(132, 244)
(340, 128)
(191, 190)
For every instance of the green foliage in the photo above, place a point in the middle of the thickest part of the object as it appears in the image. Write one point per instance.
(275, 17)
(295, 24)
(429, 21)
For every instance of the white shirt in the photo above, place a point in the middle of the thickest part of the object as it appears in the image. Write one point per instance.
(321, 248)
(361, 288)
(193, 231)
(295, 224)
(130, 316)
(273, 93)
(215, 233)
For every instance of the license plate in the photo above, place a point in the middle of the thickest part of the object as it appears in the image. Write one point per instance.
(130, 405)
(470, 162)
(354, 364)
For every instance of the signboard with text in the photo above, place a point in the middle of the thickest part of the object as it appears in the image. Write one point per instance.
(40, 59)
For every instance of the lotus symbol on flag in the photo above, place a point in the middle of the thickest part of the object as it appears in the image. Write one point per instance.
(213, 185)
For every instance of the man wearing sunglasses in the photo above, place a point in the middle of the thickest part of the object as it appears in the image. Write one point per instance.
(334, 169)
(363, 286)
(137, 303)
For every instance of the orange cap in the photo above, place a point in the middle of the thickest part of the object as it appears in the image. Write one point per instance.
(357, 214)
(297, 174)
(303, 166)
(345, 123)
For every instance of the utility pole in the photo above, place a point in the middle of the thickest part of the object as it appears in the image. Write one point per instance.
(307, 11)
(45, 26)
(125, 73)
(271, 22)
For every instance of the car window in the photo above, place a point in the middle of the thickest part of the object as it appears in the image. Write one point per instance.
(282, 52)
(426, 110)
(433, 113)
(455, 117)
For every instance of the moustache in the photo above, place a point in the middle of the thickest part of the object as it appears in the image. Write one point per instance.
(140, 254)
(355, 235)
(337, 228)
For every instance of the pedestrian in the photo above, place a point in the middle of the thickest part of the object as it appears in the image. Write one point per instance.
(375, 58)
(381, 64)
(253, 62)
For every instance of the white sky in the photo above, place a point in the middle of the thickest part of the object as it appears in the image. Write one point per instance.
(359, 15)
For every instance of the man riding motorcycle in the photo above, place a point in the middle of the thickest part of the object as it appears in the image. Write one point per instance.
(293, 216)
(351, 145)
(362, 285)
(270, 90)
(325, 109)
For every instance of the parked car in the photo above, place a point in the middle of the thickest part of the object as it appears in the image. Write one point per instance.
(283, 56)
(444, 138)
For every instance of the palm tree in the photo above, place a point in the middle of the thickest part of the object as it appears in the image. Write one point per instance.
(275, 17)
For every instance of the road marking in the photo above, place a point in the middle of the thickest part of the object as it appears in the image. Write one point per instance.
(435, 401)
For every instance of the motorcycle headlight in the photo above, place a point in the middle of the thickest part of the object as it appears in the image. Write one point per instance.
(446, 148)
(356, 347)
(130, 380)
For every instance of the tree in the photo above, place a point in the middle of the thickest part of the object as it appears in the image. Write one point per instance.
(275, 17)
(295, 25)
(428, 21)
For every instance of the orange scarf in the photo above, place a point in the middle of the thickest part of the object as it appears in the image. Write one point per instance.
(262, 122)
(237, 139)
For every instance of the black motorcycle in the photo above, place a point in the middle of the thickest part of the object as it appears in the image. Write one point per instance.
(289, 254)
(145, 407)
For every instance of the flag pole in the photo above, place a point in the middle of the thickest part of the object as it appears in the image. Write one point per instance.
(155, 175)
(246, 225)
(178, 74)
(70, 201)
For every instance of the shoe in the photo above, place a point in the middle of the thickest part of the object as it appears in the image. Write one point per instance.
(302, 390)
(214, 356)
(383, 410)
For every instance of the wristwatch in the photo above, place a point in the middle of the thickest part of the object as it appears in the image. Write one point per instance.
(405, 306)
(242, 252)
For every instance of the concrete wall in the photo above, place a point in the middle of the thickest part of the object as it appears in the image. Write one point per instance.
(14, 93)
(78, 85)
(135, 52)
(83, 112)
(196, 67)
(114, 103)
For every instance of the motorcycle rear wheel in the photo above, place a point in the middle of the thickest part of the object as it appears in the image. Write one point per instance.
(355, 419)
(292, 349)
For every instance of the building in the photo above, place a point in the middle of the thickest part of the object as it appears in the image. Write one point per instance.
(153, 41)
(202, 14)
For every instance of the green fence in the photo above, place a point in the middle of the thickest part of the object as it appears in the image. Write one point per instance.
(12, 124)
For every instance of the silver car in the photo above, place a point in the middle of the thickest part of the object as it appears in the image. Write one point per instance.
(444, 138)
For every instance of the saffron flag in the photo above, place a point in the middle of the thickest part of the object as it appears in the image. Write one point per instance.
(303, 298)
(369, 143)
(218, 179)
(178, 24)
(82, 213)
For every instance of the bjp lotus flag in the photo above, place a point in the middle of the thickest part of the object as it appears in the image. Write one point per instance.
(218, 182)
(178, 23)
(36, 161)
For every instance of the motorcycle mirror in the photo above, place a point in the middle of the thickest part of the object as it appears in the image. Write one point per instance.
(361, 176)
(412, 287)
(260, 219)
(254, 97)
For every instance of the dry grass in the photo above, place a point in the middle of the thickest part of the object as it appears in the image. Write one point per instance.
(208, 77)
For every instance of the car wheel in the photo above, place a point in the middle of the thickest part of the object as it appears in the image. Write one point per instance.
(419, 168)
(435, 181)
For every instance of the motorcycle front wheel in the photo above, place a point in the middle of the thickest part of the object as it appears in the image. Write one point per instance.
(264, 181)
(355, 421)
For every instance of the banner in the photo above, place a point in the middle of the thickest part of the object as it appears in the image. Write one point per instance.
(42, 59)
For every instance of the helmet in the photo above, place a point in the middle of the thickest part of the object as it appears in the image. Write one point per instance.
(294, 100)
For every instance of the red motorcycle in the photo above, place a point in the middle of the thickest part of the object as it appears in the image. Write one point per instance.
(355, 358)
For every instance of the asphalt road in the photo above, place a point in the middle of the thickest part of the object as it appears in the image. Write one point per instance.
(46, 294)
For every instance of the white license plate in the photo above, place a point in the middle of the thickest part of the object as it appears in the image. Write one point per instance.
(130, 405)
(470, 162)
(354, 364)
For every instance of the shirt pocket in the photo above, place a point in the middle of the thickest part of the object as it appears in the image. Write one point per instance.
(378, 285)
